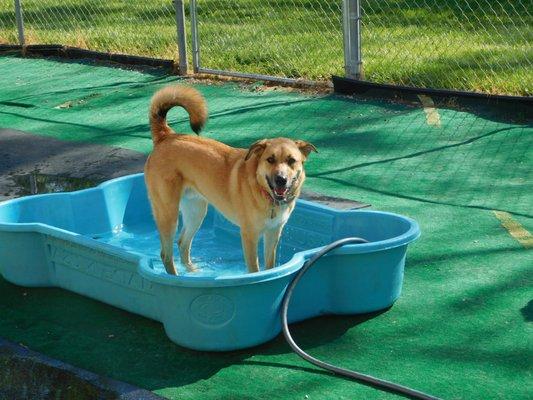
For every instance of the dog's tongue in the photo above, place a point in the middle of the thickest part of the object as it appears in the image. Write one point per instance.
(280, 191)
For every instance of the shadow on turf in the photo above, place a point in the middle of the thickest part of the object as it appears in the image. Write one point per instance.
(527, 311)
(435, 257)
(475, 299)
(159, 77)
(411, 155)
(177, 119)
(121, 345)
(424, 200)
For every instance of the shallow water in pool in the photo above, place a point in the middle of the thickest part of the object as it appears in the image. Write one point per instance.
(214, 255)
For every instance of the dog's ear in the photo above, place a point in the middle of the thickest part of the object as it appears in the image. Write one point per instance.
(256, 148)
(305, 147)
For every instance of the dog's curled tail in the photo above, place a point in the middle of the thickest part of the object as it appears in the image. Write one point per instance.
(163, 100)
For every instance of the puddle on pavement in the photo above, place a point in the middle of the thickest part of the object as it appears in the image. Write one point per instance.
(37, 183)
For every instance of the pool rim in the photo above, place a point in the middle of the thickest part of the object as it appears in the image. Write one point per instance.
(144, 263)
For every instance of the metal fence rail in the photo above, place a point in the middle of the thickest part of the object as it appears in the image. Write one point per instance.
(472, 45)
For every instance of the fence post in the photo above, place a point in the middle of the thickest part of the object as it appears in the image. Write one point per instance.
(182, 41)
(195, 40)
(20, 22)
(351, 17)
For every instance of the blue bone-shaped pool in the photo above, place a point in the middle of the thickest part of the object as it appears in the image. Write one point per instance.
(102, 243)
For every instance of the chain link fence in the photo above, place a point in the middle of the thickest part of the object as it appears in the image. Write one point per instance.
(8, 23)
(285, 38)
(144, 28)
(472, 45)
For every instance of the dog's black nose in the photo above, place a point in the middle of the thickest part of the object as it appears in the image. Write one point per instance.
(280, 180)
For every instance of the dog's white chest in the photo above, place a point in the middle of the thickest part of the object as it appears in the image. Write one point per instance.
(280, 215)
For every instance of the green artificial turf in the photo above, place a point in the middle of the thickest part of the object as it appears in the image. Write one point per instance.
(461, 328)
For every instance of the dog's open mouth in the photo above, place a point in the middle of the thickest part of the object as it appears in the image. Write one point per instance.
(278, 193)
(281, 191)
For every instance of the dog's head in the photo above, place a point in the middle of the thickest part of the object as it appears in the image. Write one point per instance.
(280, 164)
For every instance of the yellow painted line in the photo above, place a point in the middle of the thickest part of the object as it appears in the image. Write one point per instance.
(516, 230)
(432, 114)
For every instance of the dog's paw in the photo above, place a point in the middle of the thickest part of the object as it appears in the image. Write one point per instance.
(191, 267)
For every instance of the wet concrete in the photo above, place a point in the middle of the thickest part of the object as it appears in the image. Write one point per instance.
(32, 164)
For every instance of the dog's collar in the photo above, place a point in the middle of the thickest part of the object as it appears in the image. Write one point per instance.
(273, 202)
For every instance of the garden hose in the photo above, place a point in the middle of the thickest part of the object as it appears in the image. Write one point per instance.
(370, 380)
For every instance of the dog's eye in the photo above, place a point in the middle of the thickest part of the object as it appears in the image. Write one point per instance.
(291, 161)
(271, 159)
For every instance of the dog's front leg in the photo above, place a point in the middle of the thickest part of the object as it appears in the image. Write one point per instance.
(271, 240)
(250, 240)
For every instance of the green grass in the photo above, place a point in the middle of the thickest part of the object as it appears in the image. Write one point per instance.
(480, 45)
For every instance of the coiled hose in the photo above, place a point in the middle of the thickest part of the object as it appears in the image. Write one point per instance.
(370, 380)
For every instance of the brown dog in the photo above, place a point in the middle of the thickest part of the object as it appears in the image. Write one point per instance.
(255, 188)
